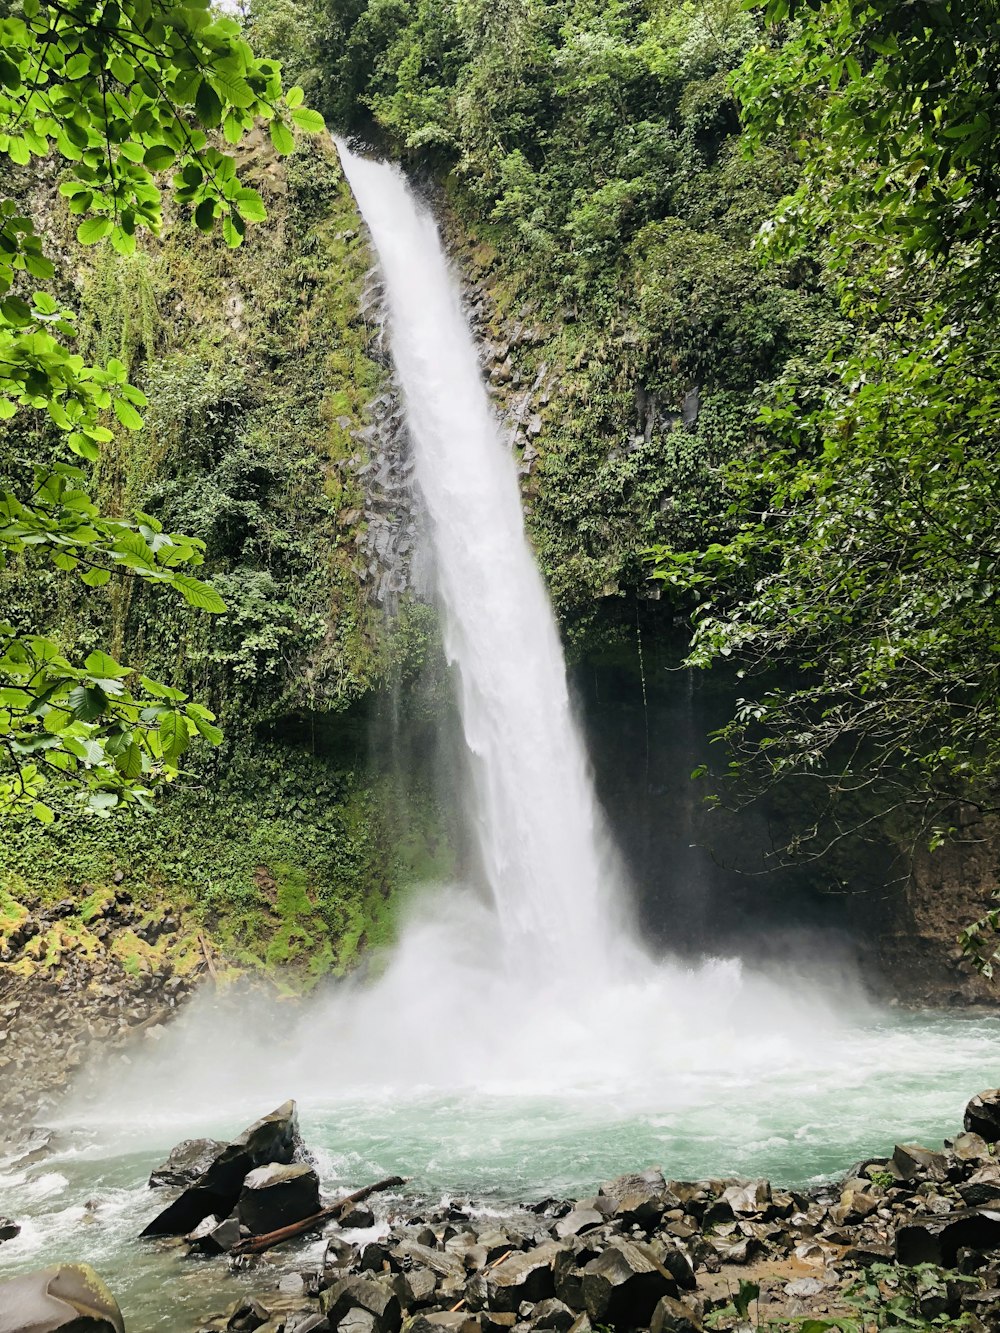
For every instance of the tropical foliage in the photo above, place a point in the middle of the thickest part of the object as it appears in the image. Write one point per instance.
(118, 94)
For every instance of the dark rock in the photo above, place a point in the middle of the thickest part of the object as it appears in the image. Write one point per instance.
(622, 1286)
(269, 1140)
(187, 1162)
(937, 1240)
(982, 1115)
(277, 1195)
(740, 1252)
(358, 1219)
(553, 1314)
(522, 1277)
(307, 1321)
(983, 1186)
(8, 1229)
(577, 1222)
(246, 1316)
(865, 1254)
(374, 1296)
(641, 1198)
(415, 1288)
(65, 1296)
(673, 1315)
(214, 1237)
(745, 1200)
(911, 1162)
(970, 1147)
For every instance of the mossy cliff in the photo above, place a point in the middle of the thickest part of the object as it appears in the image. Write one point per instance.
(268, 406)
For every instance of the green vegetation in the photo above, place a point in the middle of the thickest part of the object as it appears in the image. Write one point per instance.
(122, 93)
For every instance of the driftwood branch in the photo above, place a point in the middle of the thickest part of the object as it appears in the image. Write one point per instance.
(208, 959)
(258, 1244)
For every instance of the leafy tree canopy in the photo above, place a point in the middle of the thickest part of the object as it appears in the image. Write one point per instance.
(133, 100)
(866, 560)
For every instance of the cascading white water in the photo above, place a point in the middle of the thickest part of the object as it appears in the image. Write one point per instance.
(545, 853)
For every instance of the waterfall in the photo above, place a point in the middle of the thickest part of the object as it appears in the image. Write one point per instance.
(540, 834)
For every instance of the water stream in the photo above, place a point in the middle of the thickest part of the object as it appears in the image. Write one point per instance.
(518, 1041)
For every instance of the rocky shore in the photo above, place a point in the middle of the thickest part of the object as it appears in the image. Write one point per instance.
(910, 1239)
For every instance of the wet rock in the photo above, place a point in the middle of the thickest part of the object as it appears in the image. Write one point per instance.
(211, 1236)
(673, 1315)
(271, 1139)
(307, 1321)
(982, 1115)
(982, 1187)
(522, 1277)
(640, 1199)
(374, 1296)
(909, 1161)
(246, 1316)
(358, 1218)
(65, 1296)
(8, 1229)
(187, 1162)
(622, 1286)
(577, 1221)
(748, 1199)
(277, 1195)
(553, 1314)
(937, 1240)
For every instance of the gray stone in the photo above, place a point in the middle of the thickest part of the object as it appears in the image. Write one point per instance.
(187, 1162)
(910, 1161)
(642, 1198)
(673, 1315)
(937, 1240)
(8, 1229)
(553, 1314)
(246, 1316)
(522, 1277)
(374, 1295)
(745, 1200)
(982, 1115)
(622, 1286)
(214, 1237)
(65, 1296)
(277, 1195)
(271, 1139)
(983, 1186)
(577, 1222)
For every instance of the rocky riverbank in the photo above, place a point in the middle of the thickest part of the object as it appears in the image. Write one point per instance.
(909, 1239)
(80, 977)
(912, 1238)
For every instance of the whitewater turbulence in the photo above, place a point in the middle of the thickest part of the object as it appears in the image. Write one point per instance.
(544, 851)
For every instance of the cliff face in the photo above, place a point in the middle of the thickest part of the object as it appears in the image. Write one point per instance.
(275, 435)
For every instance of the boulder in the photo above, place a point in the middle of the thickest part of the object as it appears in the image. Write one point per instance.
(307, 1321)
(640, 1199)
(622, 1286)
(937, 1239)
(673, 1315)
(246, 1316)
(745, 1200)
(214, 1237)
(374, 1297)
(983, 1186)
(8, 1229)
(553, 1314)
(358, 1218)
(910, 1161)
(521, 1277)
(274, 1138)
(277, 1195)
(65, 1296)
(982, 1115)
(577, 1221)
(187, 1162)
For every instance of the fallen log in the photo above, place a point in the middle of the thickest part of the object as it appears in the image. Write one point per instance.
(266, 1241)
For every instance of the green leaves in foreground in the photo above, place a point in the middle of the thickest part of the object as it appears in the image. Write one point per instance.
(123, 92)
(103, 735)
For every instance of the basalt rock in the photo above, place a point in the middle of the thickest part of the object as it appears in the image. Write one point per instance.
(272, 1139)
(67, 1296)
(982, 1115)
(938, 1239)
(522, 1277)
(8, 1229)
(641, 1199)
(187, 1162)
(675, 1316)
(909, 1161)
(277, 1195)
(622, 1286)
(373, 1295)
